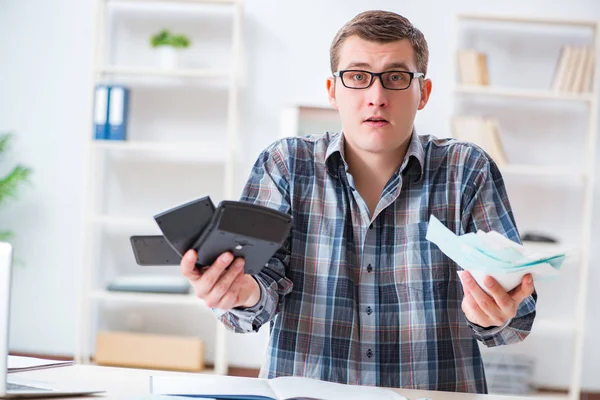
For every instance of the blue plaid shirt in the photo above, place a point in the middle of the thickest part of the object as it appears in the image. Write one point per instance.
(366, 299)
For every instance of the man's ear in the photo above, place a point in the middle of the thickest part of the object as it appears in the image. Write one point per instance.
(425, 92)
(331, 92)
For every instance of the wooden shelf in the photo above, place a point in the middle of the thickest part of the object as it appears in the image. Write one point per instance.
(523, 93)
(159, 72)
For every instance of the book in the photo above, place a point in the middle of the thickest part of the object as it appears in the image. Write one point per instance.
(484, 132)
(561, 69)
(282, 388)
(118, 113)
(472, 67)
(101, 103)
(21, 364)
(588, 73)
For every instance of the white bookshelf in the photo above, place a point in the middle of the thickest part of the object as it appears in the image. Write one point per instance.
(203, 152)
(157, 72)
(151, 298)
(544, 171)
(566, 332)
(193, 158)
(523, 93)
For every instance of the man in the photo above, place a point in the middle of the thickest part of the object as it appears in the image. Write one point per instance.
(357, 294)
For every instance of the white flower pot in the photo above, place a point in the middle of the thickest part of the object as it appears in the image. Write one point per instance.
(168, 57)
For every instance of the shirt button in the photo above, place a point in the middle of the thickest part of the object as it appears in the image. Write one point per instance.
(369, 311)
(369, 353)
(371, 226)
(369, 268)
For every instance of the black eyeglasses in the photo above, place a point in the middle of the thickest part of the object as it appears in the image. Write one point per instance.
(392, 80)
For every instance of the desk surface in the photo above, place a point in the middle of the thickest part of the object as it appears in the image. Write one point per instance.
(124, 382)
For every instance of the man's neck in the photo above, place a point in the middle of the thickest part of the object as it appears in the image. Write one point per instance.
(371, 171)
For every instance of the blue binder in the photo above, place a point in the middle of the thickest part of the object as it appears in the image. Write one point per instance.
(118, 112)
(101, 102)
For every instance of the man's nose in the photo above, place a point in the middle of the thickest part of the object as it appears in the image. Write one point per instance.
(377, 94)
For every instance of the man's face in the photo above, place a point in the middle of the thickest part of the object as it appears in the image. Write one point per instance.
(377, 120)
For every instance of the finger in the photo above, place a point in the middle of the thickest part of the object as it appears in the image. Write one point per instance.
(485, 302)
(212, 274)
(524, 290)
(233, 296)
(187, 266)
(223, 285)
(473, 312)
(503, 300)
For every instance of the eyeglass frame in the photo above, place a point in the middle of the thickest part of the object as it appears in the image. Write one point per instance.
(338, 74)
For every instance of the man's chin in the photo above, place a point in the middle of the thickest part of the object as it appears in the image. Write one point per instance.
(377, 148)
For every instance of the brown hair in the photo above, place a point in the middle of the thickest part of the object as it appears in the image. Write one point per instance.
(382, 27)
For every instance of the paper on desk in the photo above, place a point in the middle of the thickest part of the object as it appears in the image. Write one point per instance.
(20, 364)
(281, 388)
(490, 253)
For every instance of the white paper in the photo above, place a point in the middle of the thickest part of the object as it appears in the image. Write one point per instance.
(510, 280)
(211, 386)
(19, 364)
(490, 253)
(291, 387)
(255, 388)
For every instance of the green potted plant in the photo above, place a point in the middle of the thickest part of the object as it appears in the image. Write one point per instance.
(168, 46)
(10, 183)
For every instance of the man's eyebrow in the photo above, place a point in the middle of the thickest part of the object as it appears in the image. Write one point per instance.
(395, 65)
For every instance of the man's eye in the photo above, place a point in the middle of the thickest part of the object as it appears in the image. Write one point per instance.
(396, 77)
(358, 77)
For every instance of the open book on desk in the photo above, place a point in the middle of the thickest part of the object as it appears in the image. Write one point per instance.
(282, 388)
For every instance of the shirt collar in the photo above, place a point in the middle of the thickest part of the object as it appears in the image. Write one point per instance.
(334, 157)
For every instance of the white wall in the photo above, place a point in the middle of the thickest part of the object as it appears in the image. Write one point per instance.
(45, 98)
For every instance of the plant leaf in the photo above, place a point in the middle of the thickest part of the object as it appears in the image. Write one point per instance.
(10, 183)
(5, 236)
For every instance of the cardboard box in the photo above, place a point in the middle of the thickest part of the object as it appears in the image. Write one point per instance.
(143, 350)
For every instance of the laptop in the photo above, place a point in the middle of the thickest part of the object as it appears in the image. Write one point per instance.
(16, 387)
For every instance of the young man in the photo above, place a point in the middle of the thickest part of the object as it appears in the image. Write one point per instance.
(357, 294)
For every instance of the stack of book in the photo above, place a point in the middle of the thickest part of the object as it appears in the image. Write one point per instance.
(575, 70)
(472, 68)
(111, 104)
(482, 131)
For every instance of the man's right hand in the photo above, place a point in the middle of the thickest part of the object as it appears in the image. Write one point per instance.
(219, 286)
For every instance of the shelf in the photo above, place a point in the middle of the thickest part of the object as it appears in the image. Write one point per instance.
(558, 326)
(523, 93)
(542, 171)
(121, 221)
(525, 20)
(149, 298)
(206, 151)
(174, 73)
(176, 1)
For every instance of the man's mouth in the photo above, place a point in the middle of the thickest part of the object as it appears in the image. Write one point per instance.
(376, 121)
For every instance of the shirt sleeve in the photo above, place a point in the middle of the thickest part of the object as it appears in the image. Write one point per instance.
(487, 208)
(268, 185)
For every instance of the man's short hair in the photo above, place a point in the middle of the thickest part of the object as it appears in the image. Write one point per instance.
(381, 27)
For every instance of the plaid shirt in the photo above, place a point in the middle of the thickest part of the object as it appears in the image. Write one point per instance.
(362, 299)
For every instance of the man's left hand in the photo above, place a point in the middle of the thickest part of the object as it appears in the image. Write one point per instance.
(485, 310)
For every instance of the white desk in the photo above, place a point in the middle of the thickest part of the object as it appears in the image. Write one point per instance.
(121, 383)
